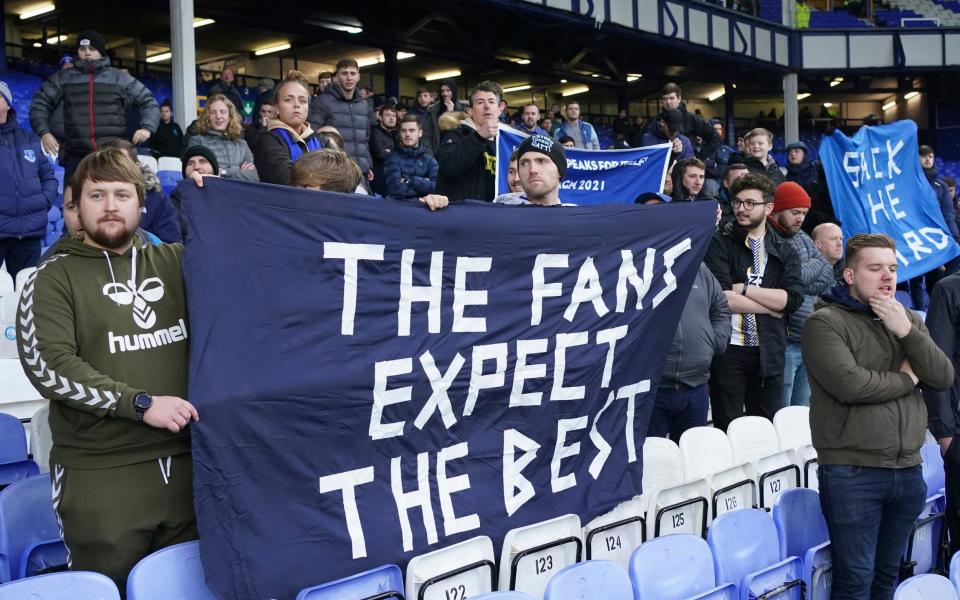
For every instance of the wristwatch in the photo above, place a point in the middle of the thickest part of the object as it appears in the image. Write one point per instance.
(141, 404)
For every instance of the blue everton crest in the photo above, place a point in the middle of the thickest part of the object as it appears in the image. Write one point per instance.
(30, 155)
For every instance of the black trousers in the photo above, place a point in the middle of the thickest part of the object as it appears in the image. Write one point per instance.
(951, 467)
(18, 254)
(735, 382)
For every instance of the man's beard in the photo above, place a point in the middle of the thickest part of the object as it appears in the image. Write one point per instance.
(753, 223)
(542, 194)
(788, 227)
(110, 241)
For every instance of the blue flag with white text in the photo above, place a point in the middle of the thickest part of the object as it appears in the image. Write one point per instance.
(376, 381)
(877, 186)
(595, 176)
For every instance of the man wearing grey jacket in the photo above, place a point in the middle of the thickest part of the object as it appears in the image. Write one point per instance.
(790, 207)
(342, 107)
(702, 334)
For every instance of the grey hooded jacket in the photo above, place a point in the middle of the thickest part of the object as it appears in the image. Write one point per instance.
(702, 334)
(817, 276)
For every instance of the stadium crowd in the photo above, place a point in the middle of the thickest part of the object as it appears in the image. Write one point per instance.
(780, 313)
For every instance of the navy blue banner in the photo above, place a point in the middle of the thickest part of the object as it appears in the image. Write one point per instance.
(376, 381)
(877, 186)
(595, 176)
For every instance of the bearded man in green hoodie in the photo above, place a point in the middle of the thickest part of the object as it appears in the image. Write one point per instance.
(102, 334)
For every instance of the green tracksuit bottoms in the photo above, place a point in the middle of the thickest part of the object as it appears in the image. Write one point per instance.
(111, 518)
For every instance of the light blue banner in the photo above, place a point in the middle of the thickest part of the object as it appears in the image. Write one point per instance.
(877, 186)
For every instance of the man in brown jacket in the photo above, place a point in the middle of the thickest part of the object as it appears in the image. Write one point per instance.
(865, 355)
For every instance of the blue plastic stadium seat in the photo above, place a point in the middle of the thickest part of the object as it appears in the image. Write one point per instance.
(502, 596)
(803, 533)
(932, 465)
(746, 552)
(923, 548)
(22, 87)
(955, 571)
(378, 582)
(675, 567)
(903, 297)
(892, 18)
(770, 10)
(950, 167)
(58, 172)
(13, 439)
(169, 180)
(926, 587)
(29, 534)
(14, 464)
(173, 572)
(51, 237)
(594, 579)
(72, 585)
(834, 20)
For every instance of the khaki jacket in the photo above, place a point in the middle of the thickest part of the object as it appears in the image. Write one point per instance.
(863, 410)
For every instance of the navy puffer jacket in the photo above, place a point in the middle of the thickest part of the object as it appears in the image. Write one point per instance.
(410, 173)
(29, 185)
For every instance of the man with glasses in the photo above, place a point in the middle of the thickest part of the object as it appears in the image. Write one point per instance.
(761, 278)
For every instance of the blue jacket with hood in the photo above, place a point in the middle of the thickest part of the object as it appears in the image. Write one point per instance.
(29, 187)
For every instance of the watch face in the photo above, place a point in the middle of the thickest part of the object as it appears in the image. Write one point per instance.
(143, 401)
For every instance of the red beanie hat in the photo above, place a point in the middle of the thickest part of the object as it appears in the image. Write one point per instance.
(790, 195)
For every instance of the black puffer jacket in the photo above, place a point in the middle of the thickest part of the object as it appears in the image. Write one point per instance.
(95, 99)
(382, 143)
(943, 321)
(350, 117)
(467, 164)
